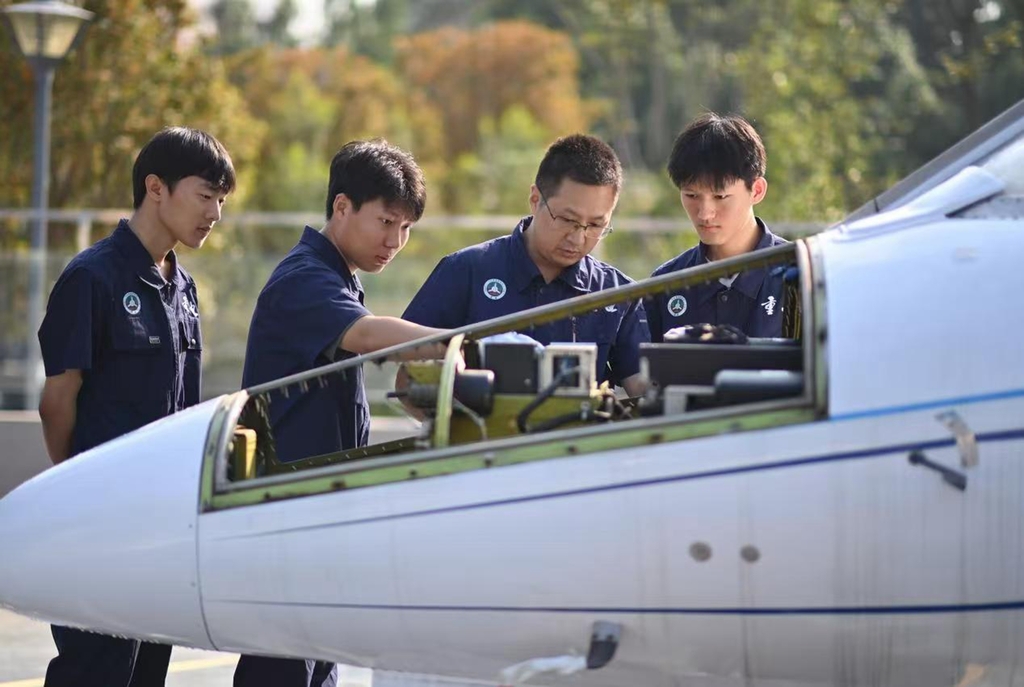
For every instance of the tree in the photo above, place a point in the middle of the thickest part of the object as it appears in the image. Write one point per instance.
(315, 100)
(133, 74)
(824, 81)
(366, 29)
(472, 75)
(277, 29)
(237, 28)
(971, 51)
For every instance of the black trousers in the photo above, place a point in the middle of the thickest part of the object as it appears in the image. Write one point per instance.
(87, 659)
(261, 671)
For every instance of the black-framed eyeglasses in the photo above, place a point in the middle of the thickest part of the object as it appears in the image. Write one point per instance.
(566, 225)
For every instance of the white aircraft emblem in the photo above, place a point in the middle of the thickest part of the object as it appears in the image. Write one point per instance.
(676, 305)
(769, 305)
(190, 307)
(494, 289)
(132, 303)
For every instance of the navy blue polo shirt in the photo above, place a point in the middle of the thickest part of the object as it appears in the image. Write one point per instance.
(307, 305)
(752, 302)
(134, 335)
(498, 277)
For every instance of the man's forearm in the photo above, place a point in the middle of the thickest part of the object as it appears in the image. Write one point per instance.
(58, 428)
(58, 409)
(373, 333)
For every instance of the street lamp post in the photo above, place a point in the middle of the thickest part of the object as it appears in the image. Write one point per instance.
(45, 31)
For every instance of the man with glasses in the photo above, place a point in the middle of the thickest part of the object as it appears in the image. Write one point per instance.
(546, 259)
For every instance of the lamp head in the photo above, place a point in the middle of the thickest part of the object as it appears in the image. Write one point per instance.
(46, 30)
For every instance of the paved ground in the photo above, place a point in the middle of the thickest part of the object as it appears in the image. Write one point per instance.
(26, 647)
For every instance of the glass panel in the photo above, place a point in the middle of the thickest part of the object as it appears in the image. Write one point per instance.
(59, 33)
(26, 30)
(44, 35)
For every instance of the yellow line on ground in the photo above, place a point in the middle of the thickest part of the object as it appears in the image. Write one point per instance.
(174, 667)
(198, 664)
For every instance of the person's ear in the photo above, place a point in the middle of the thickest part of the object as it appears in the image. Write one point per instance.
(341, 204)
(156, 189)
(759, 189)
(534, 199)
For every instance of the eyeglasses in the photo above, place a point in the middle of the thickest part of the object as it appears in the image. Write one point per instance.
(566, 225)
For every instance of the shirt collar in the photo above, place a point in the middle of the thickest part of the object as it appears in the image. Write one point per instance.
(525, 271)
(141, 262)
(324, 249)
(749, 281)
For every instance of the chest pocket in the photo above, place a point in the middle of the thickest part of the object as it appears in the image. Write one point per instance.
(191, 334)
(140, 370)
(136, 334)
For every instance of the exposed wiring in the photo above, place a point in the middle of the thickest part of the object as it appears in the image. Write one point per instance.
(544, 395)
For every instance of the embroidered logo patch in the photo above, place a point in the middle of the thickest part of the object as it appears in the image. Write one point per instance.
(190, 307)
(494, 289)
(769, 305)
(676, 305)
(132, 303)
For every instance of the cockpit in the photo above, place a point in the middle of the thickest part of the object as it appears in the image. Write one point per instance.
(497, 398)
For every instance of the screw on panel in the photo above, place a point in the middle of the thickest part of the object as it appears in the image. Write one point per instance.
(750, 554)
(700, 551)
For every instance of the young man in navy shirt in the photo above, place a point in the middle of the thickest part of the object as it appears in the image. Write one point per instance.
(718, 164)
(311, 313)
(121, 345)
(547, 259)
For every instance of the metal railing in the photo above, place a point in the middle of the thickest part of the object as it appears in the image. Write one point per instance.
(229, 282)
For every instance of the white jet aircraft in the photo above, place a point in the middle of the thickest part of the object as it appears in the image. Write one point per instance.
(841, 507)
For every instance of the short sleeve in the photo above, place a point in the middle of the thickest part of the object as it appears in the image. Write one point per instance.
(314, 313)
(624, 357)
(296, 318)
(72, 326)
(443, 300)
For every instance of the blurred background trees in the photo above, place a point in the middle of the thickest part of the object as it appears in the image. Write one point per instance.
(849, 95)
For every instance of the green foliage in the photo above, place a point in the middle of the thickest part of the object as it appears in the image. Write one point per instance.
(849, 95)
(497, 178)
(815, 83)
(127, 80)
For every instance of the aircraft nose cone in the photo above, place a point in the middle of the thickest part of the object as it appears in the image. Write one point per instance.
(107, 540)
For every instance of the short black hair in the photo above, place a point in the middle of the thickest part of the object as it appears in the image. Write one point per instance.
(367, 170)
(178, 152)
(581, 158)
(716, 150)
